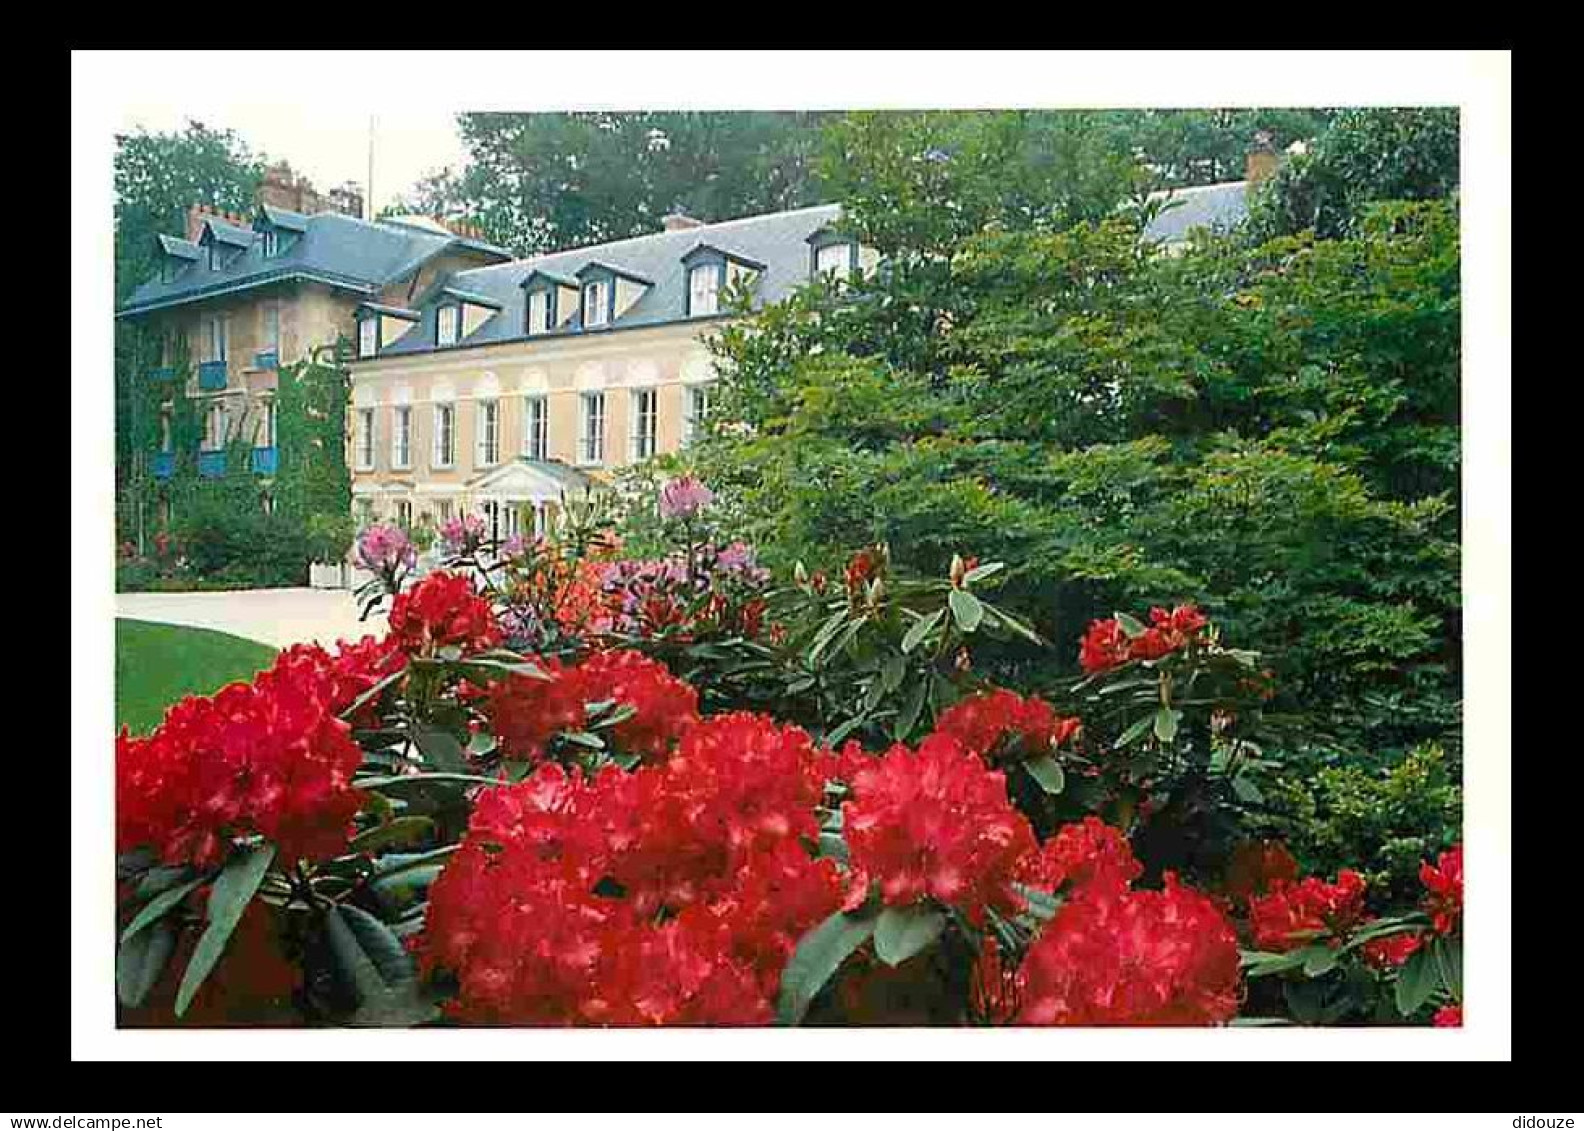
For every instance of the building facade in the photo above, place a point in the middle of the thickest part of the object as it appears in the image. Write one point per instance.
(240, 296)
(505, 388)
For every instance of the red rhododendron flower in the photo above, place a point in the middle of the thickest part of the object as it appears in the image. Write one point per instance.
(1082, 853)
(1255, 867)
(1392, 950)
(663, 706)
(670, 895)
(1114, 957)
(1294, 914)
(982, 722)
(268, 757)
(345, 674)
(1106, 645)
(526, 712)
(443, 610)
(936, 823)
(1444, 885)
(1448, 1017)
(863, 567)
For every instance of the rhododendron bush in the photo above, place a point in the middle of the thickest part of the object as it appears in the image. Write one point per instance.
(567, 788)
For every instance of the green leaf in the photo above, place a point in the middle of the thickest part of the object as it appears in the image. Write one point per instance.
(920, 629)
(1247, 791)
(831, 845)
(842, 730)
(1130, 626)
(892, 672)
(584, 738)
(1012, 622)
(828, 630)
(373, 959)
(1048, 772)
(229, 897)
(1319, 960)
(1133, 733)
(911, 708)
(966, 609)
(399, 831)
(902, 932)
(1416, 982)
(1166, 723)
(1449, 965)
(818, 955)
(440, 748)
(982, 571)
(140, 961)
(158, 906)
(1042, 904)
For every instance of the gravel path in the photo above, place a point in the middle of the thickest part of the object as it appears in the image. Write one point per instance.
(278, 617)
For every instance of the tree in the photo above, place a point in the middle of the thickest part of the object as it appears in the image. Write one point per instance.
(158, 176)
(1201, 147)
(1365, 156)
(1269, 430)
(544, 182)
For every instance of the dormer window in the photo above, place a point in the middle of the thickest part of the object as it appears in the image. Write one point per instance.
(704, 282)
(447, 318)
(835, 259)
(596, 303)
(368, 336)
(216, 259)
(541, 304)
(270, 243)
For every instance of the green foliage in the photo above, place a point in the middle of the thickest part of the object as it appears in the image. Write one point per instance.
(1271, 431)
(1382, 818)
(1366, 155)
(547, 182)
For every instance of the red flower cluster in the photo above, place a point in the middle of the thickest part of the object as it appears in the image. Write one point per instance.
(344, 674)
(1392, 950)
(1448, 1017)
(981, 722)
(525, 713)
(1295, 914)
(443, 610)
(1444, 884)
(267, 757)
(863, 567)
(1107, 645)
(937, 823)
(1118, 957)
(670, 895)
(1256, 867)
(1083, 853)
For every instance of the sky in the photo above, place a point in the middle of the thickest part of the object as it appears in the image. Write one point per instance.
(329, 145)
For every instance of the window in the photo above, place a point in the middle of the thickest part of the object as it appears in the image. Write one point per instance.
(834, 259)
(215, 339)
(401, 436)
(265, 437)
(591, 429)
(365, 512)
(488, 433)
(594, 309)
(704, 289)
(492, 519)
(270, 340)
(446, 325)
(365, 439)
(216, 425)
(698, 405)
(404, 513)
(442, 510)
(368, 336)
(539, 312)
(642, 444)
(271, 243)
(216, 260)
(444, 435)
(536, 438)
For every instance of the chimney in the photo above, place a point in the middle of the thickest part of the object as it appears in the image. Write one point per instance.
(195, 220)
(1261, 160)
(680, 221)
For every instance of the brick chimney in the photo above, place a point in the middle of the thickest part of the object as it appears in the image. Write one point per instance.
(195, 221)
(680, 221)
(1261, 161)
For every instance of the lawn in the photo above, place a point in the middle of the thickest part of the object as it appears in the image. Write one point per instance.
(156, 664)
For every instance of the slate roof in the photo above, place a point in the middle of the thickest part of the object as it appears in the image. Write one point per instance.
(1219, 207)
(777, 239)
(334, 249)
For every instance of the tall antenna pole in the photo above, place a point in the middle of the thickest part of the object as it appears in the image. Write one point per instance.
(368, 209)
